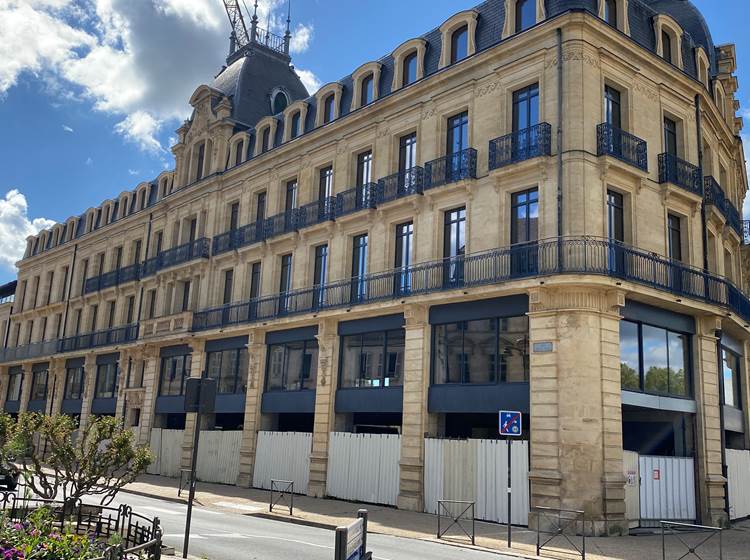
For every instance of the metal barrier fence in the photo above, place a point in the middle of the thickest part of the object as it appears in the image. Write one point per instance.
(456, 511)
(678, 541)
(561, 526)
(282, 493)
(139, 535)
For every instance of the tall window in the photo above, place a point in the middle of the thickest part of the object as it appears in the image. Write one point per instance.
(15, 381)
(483, 351)
(359, 267)
(524, 218)
(260, 207)
(459, 44)
(39, 385)
(731, 379)
(185, 296)
(610, 12)
(364, 168)
(255, 280)
(404, 242)
(228, 285)
(666, 46)
(320, 270)
(674, 234)
(615, 229)
(367, 90)
(296, 119)
(240, 152)
(525, 107)
(329, 104)
(325, 183)
(174, 372)
(265, 140)
(454, 244)
(458, 133)
(409, 75)
(612, 107)
(290, 200)
(234, 216)
(292, 366)
(670, 136)
(285, 277)
(130, 310)
(407, 152)
(106, 381)
(73, 383)
(229, 369)
(373, 359)
(525, 14)
(198, 167)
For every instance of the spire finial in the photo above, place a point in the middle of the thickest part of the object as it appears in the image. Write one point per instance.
(254, 23)
(288, 34)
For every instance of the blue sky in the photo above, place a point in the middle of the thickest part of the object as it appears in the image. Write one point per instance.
(91, 91)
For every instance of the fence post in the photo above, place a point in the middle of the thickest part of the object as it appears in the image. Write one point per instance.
(362, 513)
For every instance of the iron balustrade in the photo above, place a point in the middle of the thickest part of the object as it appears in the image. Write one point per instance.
(681, 173)
(108, 337)
(113, 278)
(401, 184)
(279, 224)
(270, 40)
(33, 350)
(356, 199)
(237, 238)
(615, 142)
(567, 255)
(733, 218)
(315, 213)
(521, 145)
(198, 249)
(714, 195)
(451, 168)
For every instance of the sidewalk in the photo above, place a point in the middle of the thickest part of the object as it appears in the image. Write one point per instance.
(329, 513)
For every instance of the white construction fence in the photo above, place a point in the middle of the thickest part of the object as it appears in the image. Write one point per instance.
(283, 456)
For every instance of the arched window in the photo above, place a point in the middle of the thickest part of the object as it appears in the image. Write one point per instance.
(610, 12)
(328, 108)
(666, 46)
(279, 102)
(525, 14)
(295, 125)
(366, 90)
(266, 139)
(409, 69)
(459, 44)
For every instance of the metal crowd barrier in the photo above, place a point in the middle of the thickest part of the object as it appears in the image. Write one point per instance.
(685, 540)
(282, 493)
(564, 526)
(460, 513)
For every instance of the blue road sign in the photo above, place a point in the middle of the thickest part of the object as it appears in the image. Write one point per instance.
(510, 423)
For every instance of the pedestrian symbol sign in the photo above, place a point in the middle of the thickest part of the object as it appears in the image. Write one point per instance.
(510, 423)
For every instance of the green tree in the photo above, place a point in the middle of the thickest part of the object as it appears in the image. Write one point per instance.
(628, 377)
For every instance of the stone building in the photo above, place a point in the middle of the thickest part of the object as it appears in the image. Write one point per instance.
(532, 207)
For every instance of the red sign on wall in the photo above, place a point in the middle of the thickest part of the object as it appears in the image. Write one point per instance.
(657, 474)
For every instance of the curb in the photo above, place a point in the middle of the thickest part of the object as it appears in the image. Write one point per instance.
(293, 520)
(143, 494)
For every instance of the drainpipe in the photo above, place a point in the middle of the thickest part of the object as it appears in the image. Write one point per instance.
(559, 146)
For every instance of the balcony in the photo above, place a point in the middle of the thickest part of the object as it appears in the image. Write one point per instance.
(401, 184)
(177, 323)
(113, 278)
(521, 145)
(574, 255)
(279, 224)
(356, 199)
(315, 213)
(237, 238)
(198, 249)
(680, 173)
(451, 168)
(615, 142)
(28, 351)
(109, 337)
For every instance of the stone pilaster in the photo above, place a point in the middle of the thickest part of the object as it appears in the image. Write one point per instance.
(711, 481)
(56, 390)
(325, 416)
(576, 435)
(122, 379)
(89, 382)
(415, 417)
(4, 379)
(150, 387)
(256, 352)
(25, 388)
(196, 370)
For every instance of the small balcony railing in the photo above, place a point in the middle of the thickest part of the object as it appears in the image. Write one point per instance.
(521, 145)
(168, 325)
(714, 194)
(681, 173)
(615, 142)
(198, 249)
(356, 199)
(315, 213)
(236, 238)
(451, 168)
(734, 219)
(116, 335)
(399, 185)
(279, 224)
(113, 278)
(27, 351)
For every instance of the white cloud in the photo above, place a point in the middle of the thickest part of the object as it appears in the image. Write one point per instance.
(309, 80)
(301, 38)
(141, 128)
(133, 172)
(15, 227)
(66, 128)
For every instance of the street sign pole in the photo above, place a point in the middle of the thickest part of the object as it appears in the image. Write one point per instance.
(509, 442)
(191, 496)
(510, 426)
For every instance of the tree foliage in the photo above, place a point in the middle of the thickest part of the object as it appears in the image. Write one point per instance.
(59, 461)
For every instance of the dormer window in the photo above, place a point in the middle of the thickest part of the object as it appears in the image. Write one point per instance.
(666, 46)
(265, 140)
(610, 12)
(239, 151)
(409, 74)
(329, 108)
(525, 14)
(198, 167)
(295, 131)
(279, 102)
(367, 90)
(668, 33)
(459, 44)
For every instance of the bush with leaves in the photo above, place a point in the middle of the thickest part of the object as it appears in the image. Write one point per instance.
(61, 462)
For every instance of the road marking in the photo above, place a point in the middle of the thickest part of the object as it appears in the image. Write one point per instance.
(241, 507)
(288, 540)
(162, 510)
(226, 535)
(182, 536)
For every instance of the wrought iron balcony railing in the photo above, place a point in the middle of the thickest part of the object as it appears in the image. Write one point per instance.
(27, 351)
(399, 185)
(574, 255)
(279, 224)
(356, 199)
(236, 238)
(113, 278)
(681, 173)
(116, 335)
(615, 142)
(315, 213)
(714, 195)
(198, 249)
(733, 218)
(521, 145)
(451, 168)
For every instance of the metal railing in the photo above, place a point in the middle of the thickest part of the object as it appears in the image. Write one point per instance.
(198, 249)
(108, 337)
(451, 168)
(401, 184)
(521, 145)
(113, 278)
(237, 238)
(270, 40)
(139, 536)
(713, 194)
(33, 350)
(279, 224)
(615, 142)
(561, 529)
(282, 494)
(356, 199)
(685, 540)
(315, 212)
(681, 173)
(460, 514)
(567, 255)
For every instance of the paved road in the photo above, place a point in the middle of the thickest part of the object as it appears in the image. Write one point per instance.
(222, 535)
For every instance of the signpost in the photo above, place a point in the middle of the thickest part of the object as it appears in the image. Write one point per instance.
(200, 397)
(351, 540)
(510, 426)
